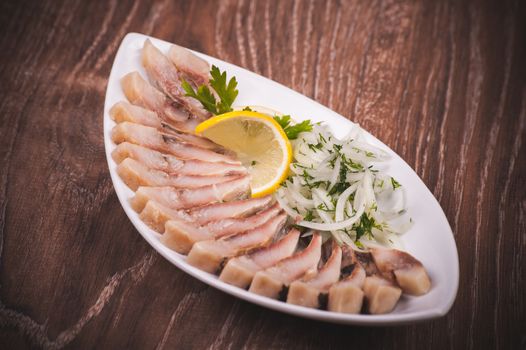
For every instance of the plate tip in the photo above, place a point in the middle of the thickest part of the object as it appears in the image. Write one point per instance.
(132, 36)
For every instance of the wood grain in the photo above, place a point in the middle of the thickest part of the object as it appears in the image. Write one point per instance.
(441, 82)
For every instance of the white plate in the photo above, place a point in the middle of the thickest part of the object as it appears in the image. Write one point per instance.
(430, 240)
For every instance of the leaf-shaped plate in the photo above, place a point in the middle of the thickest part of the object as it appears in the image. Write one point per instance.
(430, 239)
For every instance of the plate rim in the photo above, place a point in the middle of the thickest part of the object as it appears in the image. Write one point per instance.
(212, 280)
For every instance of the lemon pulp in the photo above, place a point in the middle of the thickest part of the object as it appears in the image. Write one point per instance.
(259, 142)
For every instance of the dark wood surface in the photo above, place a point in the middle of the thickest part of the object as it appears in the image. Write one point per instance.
(441, 82)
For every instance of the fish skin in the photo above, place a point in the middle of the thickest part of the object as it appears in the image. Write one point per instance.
(156, 215)
(135, 174)
(223, 225)
(271, 281)
(208, 255)
(188, 198)
(306, 292)
(232, 225)
(181, 235)
(366, 281)
(217, 220)
(191, 66)
(163, 73)
(171, 164)
(141, 93)
(124, 111)
(240, 271)
(409, 272)
(238, 208)
(195, 140)
(151, 138)
(346, 296)
(329, 273)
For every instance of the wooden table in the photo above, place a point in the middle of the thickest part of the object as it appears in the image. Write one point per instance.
(441, 82)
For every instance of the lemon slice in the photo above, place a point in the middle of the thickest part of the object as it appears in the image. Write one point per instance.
(259, 142)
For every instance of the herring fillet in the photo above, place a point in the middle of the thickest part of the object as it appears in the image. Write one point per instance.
(141, 93)
(271, 281)
(163, 73)
(234, 218)
(173, 135)
(194, 68)
(230, 225)
(123, 111)
(240, 271)
(208, 255)
(171, 164)
(188, 198)
(195, 140)
(135, 174)
(238, 208)
(181, 230)
(181, 235)
(329, 273)
(382, 294)
(185, 230)
(346, 296)
(151, 138)
(208, 203)
(306, 292)
(409, 273)
(156, 215)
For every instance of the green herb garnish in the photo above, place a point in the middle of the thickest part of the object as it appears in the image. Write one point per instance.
(365, 226)
(342, 183)
(227, 93)
(324, 207)
(309, 216)
(395, 183)
(292, 131)
(315, 147)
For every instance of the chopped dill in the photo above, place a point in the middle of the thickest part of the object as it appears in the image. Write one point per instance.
(395, 183)
(365, 226)
(306, 175)
(342, 183)
(350, 164)
(315, 147)
(309, 216)
(324, 207)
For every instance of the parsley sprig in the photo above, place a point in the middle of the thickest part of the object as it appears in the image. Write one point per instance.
(227, 92)
(293, 130)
